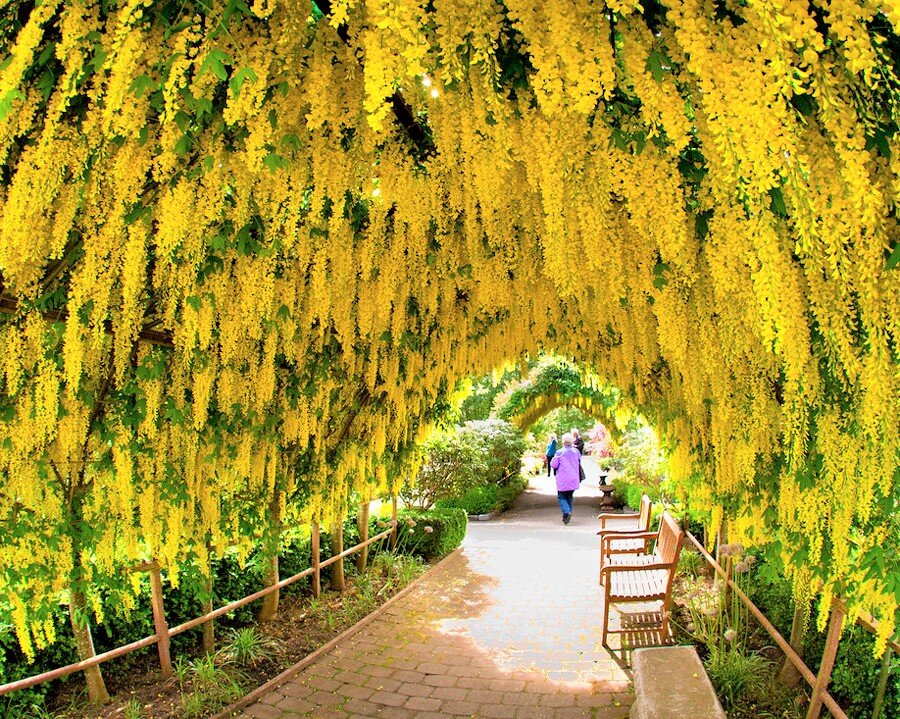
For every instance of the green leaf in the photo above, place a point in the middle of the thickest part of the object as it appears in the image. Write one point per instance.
(183, 146)
(142, 84)
(7, 102)
(215, 63)
(658, 64)
(894, 259)
(245, 74)
(194, 301)
(777, 202)
(274, 161)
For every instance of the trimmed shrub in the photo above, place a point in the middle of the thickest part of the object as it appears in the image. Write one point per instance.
(452, 467)
(478, 500)
(447, 531)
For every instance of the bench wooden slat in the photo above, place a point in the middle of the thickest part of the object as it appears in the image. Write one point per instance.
(643, 577)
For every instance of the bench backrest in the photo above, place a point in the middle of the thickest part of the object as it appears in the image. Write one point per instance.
(644, 516)
(668, 542)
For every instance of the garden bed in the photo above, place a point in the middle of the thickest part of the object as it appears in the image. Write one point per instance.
(738, 654)
(247, 657)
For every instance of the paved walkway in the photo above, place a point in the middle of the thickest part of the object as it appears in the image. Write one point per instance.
(509, 628)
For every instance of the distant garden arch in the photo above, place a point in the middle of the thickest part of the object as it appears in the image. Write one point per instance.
(557, 383)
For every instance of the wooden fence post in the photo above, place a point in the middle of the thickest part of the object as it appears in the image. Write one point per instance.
(337, 546)
(317, 577)
(394, 522)
(159, 620)
(362, 525)
(828, 656)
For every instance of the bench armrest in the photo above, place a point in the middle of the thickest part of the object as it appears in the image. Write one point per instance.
(607, 537)
(615, 517)
(629, 532)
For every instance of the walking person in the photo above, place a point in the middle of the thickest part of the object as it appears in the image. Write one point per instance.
(550, 451)
(577, 441)
(567, 463)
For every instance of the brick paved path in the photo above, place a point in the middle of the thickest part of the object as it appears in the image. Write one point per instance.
(509, 628)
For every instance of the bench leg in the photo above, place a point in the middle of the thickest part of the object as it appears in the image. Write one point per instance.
(605, 615)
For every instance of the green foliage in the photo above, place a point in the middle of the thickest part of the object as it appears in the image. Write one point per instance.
(499, 445)
(431, 534)
(642, 458)
(450, 469)
(560, 421)
(736, 674)
(555, 382)
(690, 563)
(133, 710)
(477, 500)
(487, 498)
(247, 646)
(483, 391)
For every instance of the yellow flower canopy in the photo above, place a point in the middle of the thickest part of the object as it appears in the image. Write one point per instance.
(247, 251)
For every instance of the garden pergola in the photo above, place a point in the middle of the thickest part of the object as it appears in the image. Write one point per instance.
(247, 250)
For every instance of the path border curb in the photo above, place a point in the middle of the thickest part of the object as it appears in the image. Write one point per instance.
(294, 670)
(482, 517)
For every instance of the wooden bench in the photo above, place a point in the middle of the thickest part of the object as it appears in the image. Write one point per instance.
(612, 525)
(670, 683)
(642, 578)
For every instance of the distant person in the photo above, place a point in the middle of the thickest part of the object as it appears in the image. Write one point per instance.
(577, 441)
(550, 451)
(567, 463)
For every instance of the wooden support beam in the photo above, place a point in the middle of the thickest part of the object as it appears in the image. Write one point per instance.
(832, 640)
(10, 306)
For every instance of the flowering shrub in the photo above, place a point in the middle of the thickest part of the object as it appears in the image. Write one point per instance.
(430, 534)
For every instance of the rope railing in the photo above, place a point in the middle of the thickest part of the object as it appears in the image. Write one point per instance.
(164, 634)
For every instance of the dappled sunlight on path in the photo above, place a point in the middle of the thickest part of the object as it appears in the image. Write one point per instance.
(509, 627)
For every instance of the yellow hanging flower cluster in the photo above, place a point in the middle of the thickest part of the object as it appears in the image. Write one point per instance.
(232, 277)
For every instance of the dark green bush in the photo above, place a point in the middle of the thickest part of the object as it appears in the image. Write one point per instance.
(447, 531)
(507, 494)
(478, 500)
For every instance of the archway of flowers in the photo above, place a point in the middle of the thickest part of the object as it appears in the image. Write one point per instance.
(247, 251)
(553, 383)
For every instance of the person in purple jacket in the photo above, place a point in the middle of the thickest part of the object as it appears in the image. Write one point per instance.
(566, 462)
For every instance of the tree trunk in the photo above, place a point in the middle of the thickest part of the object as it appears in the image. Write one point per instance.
(85, 644)
(209, 628)
(789, 675)
(269, 609)
(362, 524)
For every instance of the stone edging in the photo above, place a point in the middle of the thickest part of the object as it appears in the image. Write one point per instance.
(291, 672)
(482, 517)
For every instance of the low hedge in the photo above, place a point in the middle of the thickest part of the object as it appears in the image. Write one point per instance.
(486, 498)
(432, 533)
